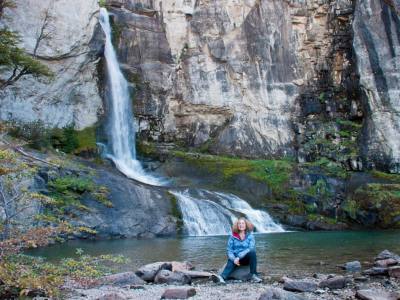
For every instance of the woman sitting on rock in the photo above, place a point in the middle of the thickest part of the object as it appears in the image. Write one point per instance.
(241, 251)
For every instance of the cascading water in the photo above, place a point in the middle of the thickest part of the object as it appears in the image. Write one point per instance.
(211, 213)
(122, 129)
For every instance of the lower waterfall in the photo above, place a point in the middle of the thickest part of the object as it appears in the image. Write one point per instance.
(212, 213)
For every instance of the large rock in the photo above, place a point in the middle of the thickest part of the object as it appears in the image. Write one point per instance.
(241, 273)
(376, 271)
(384, 263)
(122, 279)
(300, 285)
(352, 266)
(69, 50)
(337, 282)
(376, 47)
(178, 293)
(169, 277)
(375, 294)
(279, 294)
(386, 254)
(148, 272)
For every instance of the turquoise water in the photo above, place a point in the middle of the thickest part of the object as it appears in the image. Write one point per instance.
(291, 253)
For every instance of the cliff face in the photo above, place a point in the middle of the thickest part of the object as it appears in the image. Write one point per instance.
(59, 34)
(226, 73)
(247, 77)
(377, 48)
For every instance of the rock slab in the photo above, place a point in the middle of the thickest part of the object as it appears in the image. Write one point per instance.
(300, 285)
(178, 293)
(169, 277)
(279, 294)
(121, 279)
(337, 282)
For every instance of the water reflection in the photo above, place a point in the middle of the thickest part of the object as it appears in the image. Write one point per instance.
(290, 253)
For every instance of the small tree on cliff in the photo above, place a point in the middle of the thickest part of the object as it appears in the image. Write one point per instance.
(15, 60)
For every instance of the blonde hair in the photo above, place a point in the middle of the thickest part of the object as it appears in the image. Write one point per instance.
(249, 225)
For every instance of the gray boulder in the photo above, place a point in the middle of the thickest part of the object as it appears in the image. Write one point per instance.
(375, 271)
(279, 294)
(352, 266)
(384, 263)
(300, 285)
(121, 279)
(337, 282)
(376, 294)
(149, 272)
(386, 254)
(178, 293)
(169, 277)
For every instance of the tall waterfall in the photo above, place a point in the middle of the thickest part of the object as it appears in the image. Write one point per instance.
(211, 213)
(122, 127)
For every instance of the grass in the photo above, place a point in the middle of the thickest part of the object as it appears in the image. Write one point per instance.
(275, 173)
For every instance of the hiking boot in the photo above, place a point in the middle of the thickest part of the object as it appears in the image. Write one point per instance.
(255, 278)
(218, 279)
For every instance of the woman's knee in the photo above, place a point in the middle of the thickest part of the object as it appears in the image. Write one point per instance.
(252, 252)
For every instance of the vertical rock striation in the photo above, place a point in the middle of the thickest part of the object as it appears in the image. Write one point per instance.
(377, 48)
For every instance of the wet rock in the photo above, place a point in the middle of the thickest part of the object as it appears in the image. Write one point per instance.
(279, 294)
(300, 285)
(376, 294)
(386, 254)
(169, 277)
(394, 272)
(375, 271)
(337, 282)
(178, 293)
(384, 263)
(121, 279)
(352, 266)
(149, 272)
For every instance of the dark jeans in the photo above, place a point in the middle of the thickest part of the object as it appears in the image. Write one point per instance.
(249, 259)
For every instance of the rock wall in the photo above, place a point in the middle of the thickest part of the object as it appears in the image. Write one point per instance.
(377, 48)
(66, 28)
(225, 73)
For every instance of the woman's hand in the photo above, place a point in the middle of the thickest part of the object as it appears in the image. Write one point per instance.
(236, 261)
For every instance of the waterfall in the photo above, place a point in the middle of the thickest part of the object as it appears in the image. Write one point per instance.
(211, 213)
(122, 127)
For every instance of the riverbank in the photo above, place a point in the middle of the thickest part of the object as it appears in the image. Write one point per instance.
(381, 281)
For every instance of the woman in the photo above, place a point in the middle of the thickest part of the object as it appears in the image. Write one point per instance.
(241, 251)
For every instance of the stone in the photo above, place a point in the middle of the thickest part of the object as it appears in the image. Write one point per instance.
(279, 294)
(181, 266)
(352, 266)
(376, 294)
(300, 285)
(148, 272)
(169, 277)
(384, 263)
(178, 293)
(122, 279)
(240, 273)
(337, 282)
(386, 254)
(197, 274)
(394, 272)
(375, 271)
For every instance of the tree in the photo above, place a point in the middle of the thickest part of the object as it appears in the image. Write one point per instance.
(14, 59)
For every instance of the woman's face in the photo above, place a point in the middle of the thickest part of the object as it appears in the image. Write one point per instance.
(242, 225)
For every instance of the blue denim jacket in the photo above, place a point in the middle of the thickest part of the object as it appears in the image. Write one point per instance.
(239, 248)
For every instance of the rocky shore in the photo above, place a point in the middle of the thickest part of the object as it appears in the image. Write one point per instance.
(375, 280)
